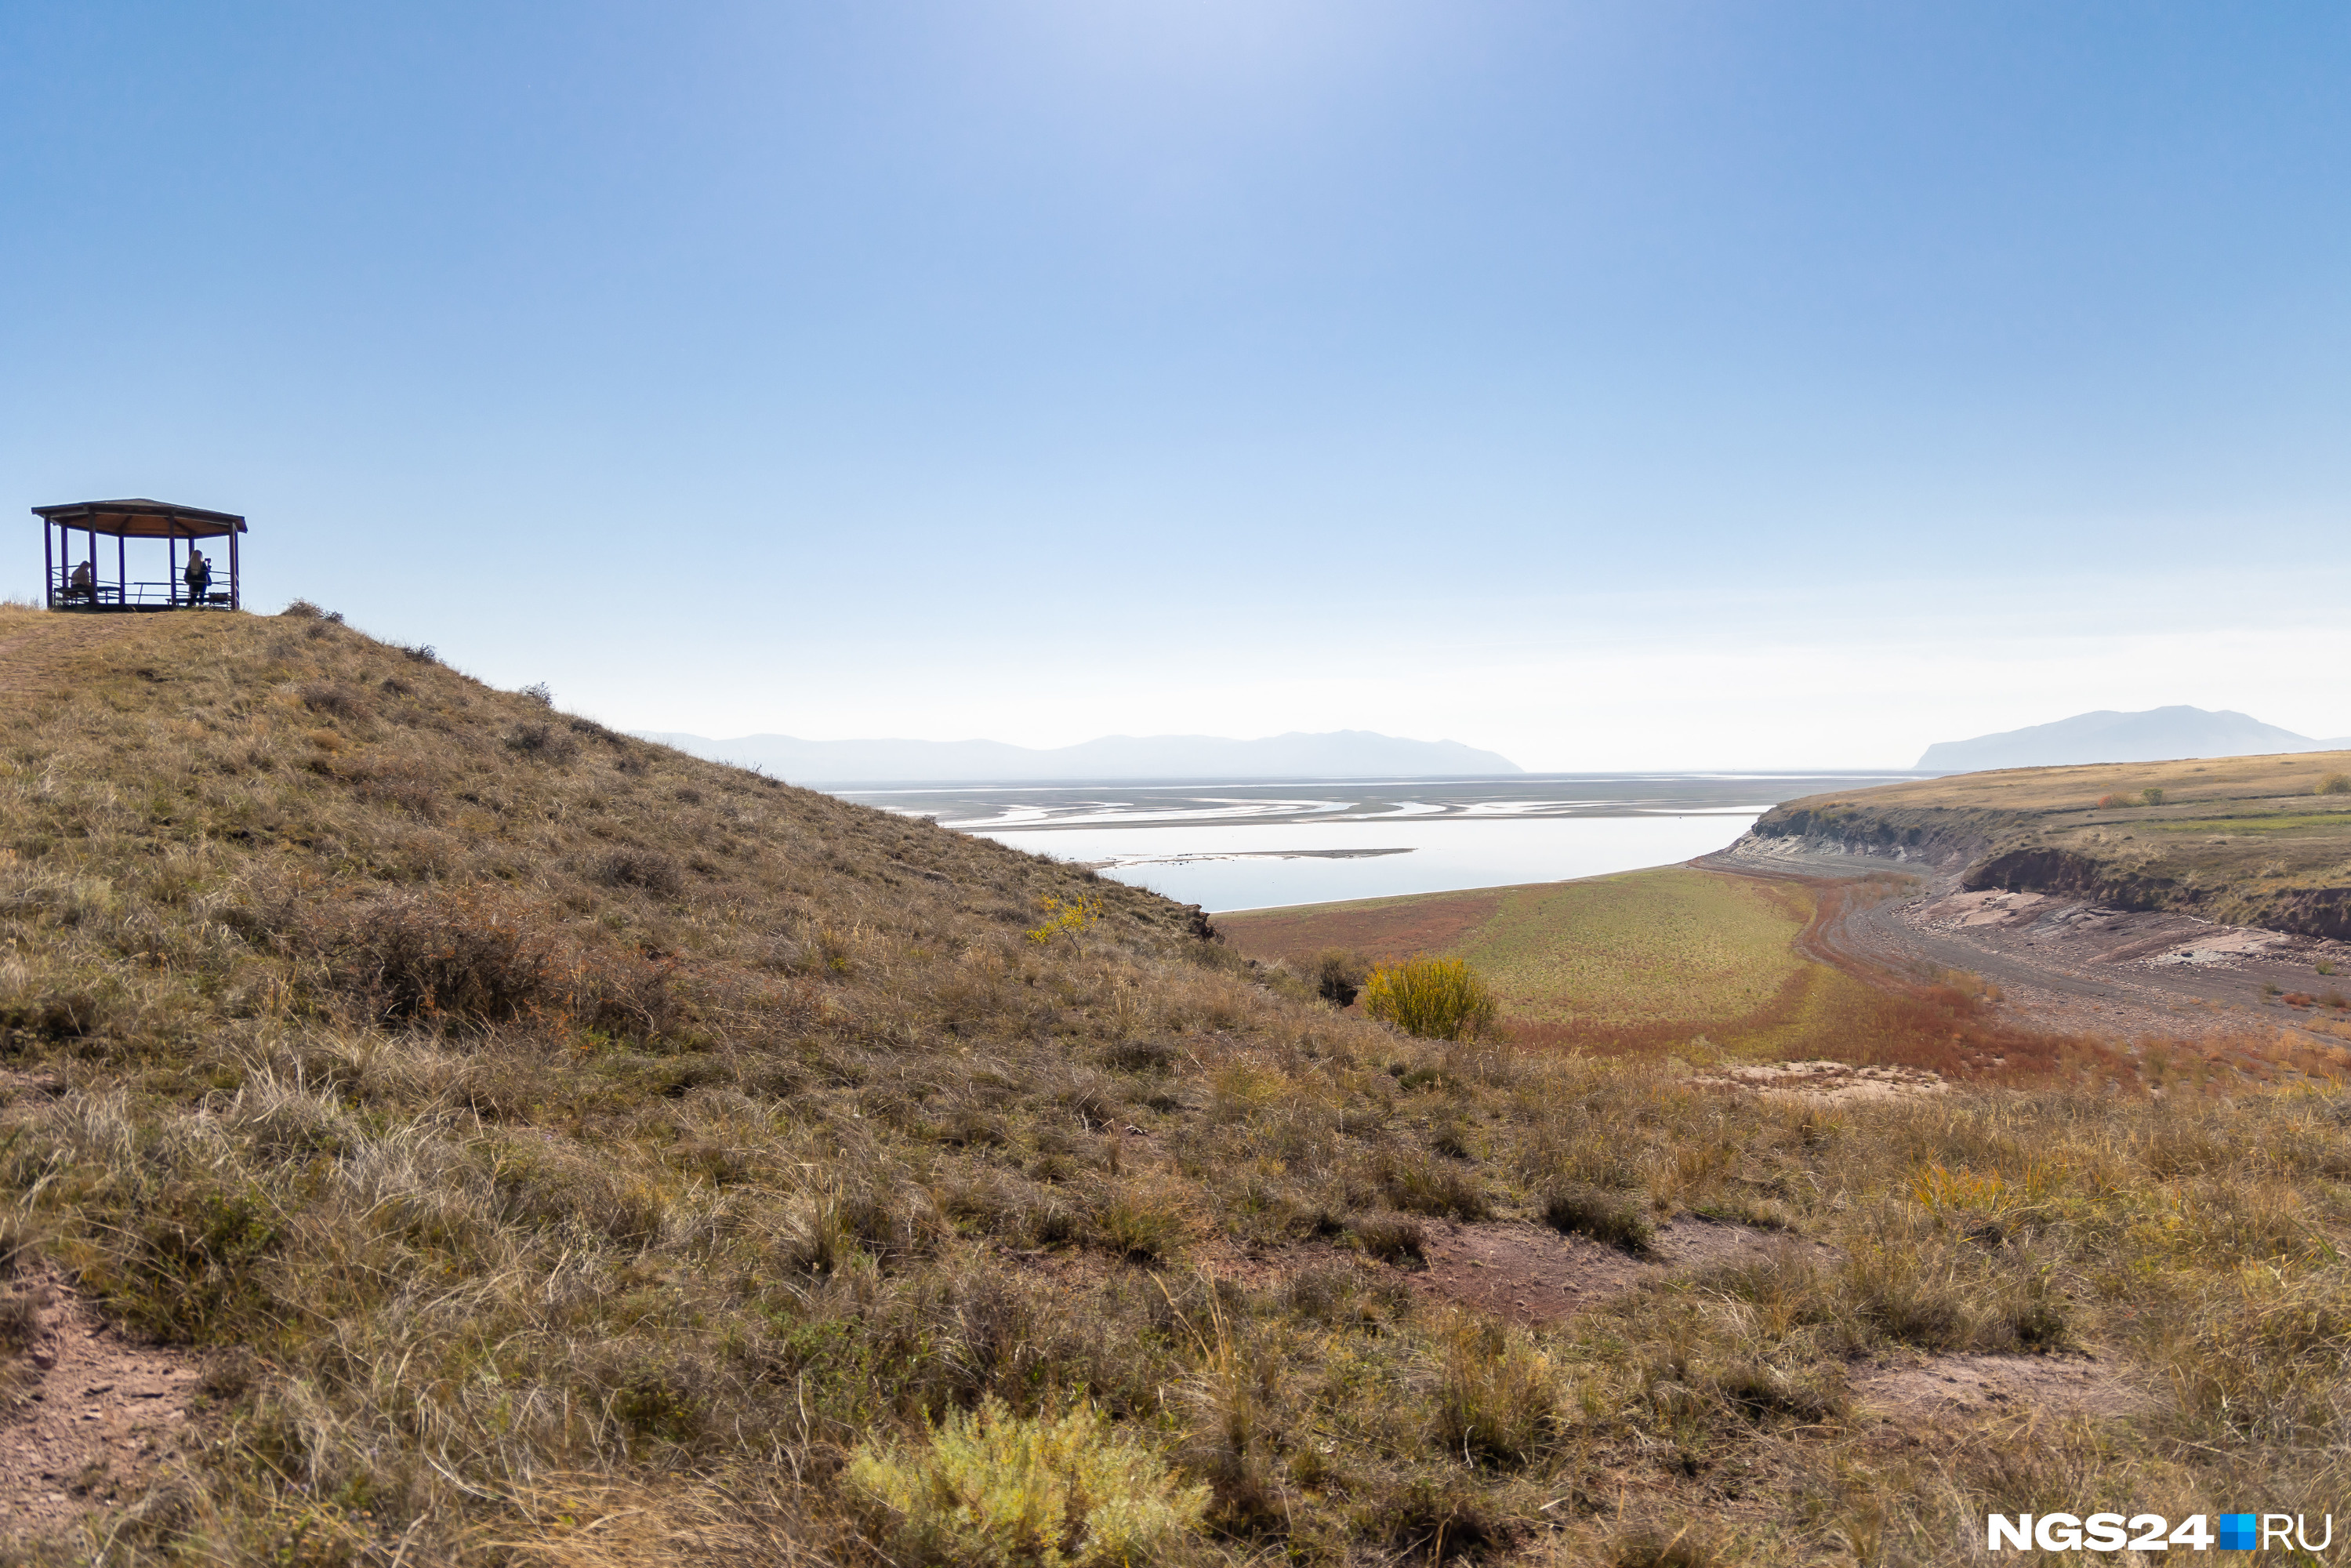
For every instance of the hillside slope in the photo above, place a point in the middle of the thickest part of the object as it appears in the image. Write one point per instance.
(2249, 840)
(553, 1149)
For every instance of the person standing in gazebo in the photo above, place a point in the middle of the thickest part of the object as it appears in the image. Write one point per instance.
(199, 575)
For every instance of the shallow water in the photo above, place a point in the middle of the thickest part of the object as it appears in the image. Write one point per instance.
(1260, 843)
(1259, 866)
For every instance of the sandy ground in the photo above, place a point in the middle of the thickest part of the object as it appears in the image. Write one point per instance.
(1972, 1385)
(1827, 1082)
(1533, 1275)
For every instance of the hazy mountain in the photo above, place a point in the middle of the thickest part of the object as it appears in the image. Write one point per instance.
(2156, 736)
(1343, 754)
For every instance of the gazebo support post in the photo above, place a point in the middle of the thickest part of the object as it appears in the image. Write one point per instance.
(121, 569)
(236, 600)
(171, 578)
(48, 568)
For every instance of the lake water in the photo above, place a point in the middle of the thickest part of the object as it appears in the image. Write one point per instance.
(1255, 844)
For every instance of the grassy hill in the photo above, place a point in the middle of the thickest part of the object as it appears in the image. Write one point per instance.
(555, 1149)
(2255, 841)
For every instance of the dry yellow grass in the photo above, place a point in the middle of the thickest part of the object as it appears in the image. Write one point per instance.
(562, 1151)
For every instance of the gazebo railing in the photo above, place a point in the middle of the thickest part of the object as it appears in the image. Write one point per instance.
(133, 595)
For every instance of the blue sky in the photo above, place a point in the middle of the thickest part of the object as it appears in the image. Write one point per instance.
(1626, 385)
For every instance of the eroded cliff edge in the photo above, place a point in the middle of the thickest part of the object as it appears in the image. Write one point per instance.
(2263, 842)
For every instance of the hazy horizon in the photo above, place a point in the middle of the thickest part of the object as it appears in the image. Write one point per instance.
(1607, 386)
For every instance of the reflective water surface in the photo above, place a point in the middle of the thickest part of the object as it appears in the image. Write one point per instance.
(1254, 844)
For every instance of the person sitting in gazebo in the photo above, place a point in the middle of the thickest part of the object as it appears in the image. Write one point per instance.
(83, 583)
(199, 575)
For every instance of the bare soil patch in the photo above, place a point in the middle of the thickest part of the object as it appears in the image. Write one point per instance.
(1532, 1274)
(1936, 1386)
(1828, 1082)
(90, 1414)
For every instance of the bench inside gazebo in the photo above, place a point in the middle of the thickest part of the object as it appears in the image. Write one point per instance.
(78, 579)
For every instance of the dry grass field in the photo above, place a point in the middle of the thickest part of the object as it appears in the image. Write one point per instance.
(547, 1148)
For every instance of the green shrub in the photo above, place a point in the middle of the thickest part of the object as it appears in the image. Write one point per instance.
(1435, 999)
(2151, 795)
(993, 1490)
(2334, 784)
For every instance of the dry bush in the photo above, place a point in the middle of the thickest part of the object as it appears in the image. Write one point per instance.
(542, 742)
(2333, 784)
(648, 868)
(469, 957)
(1390, 1238)
(1339, 976)
(413, 790)
(337, 698)
(1609, 1218)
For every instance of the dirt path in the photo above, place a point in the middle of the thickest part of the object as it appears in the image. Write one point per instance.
(88, 1413)
(1532, 1274)
(2066, 965)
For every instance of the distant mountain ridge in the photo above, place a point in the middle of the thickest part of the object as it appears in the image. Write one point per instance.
(1340, 754)
(2157, 735)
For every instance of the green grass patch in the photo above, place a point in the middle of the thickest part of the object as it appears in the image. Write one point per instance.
(1675, 943)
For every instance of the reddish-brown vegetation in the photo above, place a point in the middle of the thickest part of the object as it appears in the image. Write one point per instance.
(1389, 928)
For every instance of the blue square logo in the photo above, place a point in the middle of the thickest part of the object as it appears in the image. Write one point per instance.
(2238, 1532)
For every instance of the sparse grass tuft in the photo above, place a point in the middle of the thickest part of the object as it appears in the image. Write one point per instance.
(1390, 1238)
(1497, 1395)
(1609, 1219)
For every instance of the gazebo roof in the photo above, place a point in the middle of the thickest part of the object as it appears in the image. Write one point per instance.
(139, 519)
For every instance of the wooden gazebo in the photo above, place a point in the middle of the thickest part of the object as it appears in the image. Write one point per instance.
(81, 584)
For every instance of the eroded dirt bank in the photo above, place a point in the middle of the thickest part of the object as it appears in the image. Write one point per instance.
(2067, 963)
